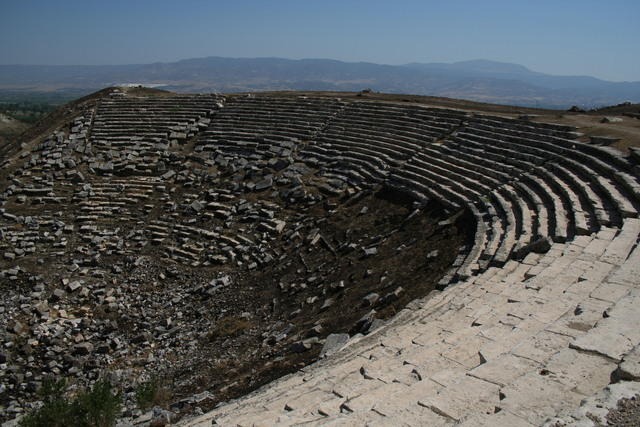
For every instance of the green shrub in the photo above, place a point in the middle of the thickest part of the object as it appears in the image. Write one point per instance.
(55, 412)
(97, 407)
(151, 393)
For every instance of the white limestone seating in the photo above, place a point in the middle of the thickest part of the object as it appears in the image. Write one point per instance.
(129, 135)
(526, 181)
(518, 337)
(119, 119)
(366, 139)
(266, 127)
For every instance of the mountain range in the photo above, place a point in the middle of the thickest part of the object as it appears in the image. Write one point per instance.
(476, 80)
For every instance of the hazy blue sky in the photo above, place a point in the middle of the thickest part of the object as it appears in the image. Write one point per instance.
(587, 37)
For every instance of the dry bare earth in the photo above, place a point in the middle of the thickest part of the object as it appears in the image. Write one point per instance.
(10, 128)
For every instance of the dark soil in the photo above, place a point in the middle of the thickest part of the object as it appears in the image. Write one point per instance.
(251, 328)
(624, 108)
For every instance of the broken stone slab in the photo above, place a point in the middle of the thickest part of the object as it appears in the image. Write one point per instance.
(83, 349)
(41, 308)
(617, 334)
(392, 296)
(168, 175)
(72, 286)
(610, 119)
(603, 140)
(278, 225)
(155, 417)
(629, 369)
(197, 206)
(333, 344)
(539, 246)
(264, 184)
(304, 345)
(370, 251)
(370, 299)
(364, 323)
(17, 328)
(277, 164)
(328, 303)
(57, 294)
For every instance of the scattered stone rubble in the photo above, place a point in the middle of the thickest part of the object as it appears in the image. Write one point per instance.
(123, 231)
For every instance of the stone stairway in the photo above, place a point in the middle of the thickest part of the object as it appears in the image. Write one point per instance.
(514, 346)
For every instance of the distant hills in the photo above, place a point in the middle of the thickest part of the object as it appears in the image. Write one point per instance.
(477, 80)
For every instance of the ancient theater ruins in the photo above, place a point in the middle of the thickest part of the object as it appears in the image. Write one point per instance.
(289, 258)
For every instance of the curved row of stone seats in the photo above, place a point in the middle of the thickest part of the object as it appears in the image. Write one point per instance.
(17, 243)
(608, 172)
(547, 200)
(596, 205)
(415, 125)
(395, 149)
(206, 238)
(189, 244)
(483, 171)
(522, 166)
(495, 208)
(542, 131)
(100, 200)
(495, 228)
(373, 137)
(594, 212)
(170, 118)
(266, 126)
(352, 163)
(495, 173)
(509, 222)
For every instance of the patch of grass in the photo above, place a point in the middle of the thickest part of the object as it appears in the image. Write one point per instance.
(152, 393)
(230, 326)
(97, 407)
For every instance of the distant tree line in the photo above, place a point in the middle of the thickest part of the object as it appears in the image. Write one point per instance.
(26, 111)
(29, 106)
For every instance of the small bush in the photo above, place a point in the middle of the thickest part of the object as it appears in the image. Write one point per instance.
(55, 412)
(97, 407)
(230, 326)
(152, 393)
